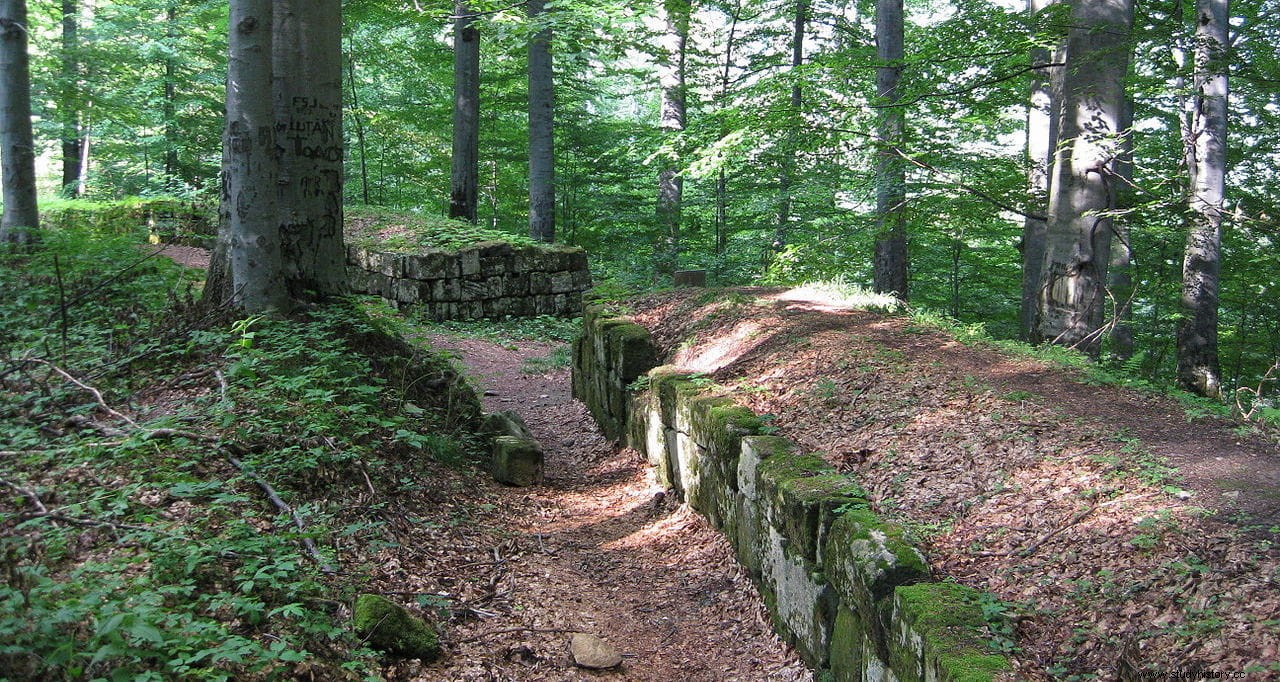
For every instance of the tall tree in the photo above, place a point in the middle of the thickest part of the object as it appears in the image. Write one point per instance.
(671, 80)
(307, 76)
(466, 114)
(17, 145)
(799, 21)
(1042, 131)
(1206, 148)
(542, 159)
(251, 162)
(69, 111)
(1084, 187)
(890, 273)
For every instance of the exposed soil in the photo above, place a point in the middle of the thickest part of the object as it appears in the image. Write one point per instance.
(1128, 536)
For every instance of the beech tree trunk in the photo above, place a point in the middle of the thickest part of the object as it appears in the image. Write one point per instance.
(1206, 145)
(307, 90)
(1120, 271)
(722, 180)
(542, 159)
(1084, 188)
(17, 146)
(780, 235)
(171, 170)
(890, 274)
(72, 143)
(463, 194)
(671, 81)
(250, 162)
(1042, 134)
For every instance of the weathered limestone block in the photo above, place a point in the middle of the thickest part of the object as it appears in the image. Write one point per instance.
(802, 494)
(799, 601)
(865, 559)
(517, 461)
(562, 282)
(504, 423)
(539, 283)
(446, 289)
(469, 262)
(388, 627)
(515, 283)
(405, 290)
(752, 510)
(850, 649)
(473, 290)
(939, 633)
(431, 264)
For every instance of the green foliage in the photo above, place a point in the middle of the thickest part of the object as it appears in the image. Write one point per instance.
(412, 232)
(510, 330)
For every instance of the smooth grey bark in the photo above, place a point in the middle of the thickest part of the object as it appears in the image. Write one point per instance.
(1084, 187)
(1120, 270)
(464, 191)
(17, 146)
(1042, 133)
(722, 180)
(358, 117)
(1206, 146)
(788, 161)
(69, 113)
(171, 170)
(890, 267)
(250, 162)
(542, 158)
(307, 90)
(674, 15)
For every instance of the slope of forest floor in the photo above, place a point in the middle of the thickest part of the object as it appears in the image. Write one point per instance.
(1125, 534)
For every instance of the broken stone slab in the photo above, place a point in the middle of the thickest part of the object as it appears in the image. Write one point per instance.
(517, 461)
(589, 651)
(504, 423)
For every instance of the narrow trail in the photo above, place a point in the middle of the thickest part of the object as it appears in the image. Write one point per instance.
(607, 552)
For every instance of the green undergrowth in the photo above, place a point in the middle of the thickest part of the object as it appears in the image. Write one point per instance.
(399, 231)
(139, 435)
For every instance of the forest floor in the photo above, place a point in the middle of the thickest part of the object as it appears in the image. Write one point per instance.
(1126, 532)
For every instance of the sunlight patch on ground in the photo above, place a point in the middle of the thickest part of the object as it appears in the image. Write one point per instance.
(720, 351)
(835, 297)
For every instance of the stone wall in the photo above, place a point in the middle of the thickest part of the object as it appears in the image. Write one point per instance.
(487, 280)
(842, 585)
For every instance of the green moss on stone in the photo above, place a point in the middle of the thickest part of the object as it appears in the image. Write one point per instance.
(389, 628)
(848, 646)
(867, 558)
(954, 631)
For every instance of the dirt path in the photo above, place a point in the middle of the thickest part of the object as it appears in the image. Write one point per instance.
(605, 552)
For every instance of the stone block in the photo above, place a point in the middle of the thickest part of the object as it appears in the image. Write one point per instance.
(581, 280)
(504, 423)
(388, 627)
(515, 284)
(938, 633)
(561, 282)
(432, 264)
(469, 262)
(803, 493)
(517, 461)
(801, 604)
(405, 290)
(539, 283)
(866, 559)
(850, 648)
(446, 289)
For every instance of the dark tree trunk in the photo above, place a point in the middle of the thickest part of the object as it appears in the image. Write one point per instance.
(463, 195)
(1042, 133)
(17, 145)
(171, 170)
(358, 117)
(72, 143)
(890, 273)
(788, 161)
(1207, 147)
(542, 159)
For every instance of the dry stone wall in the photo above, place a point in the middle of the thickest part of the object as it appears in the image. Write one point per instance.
(844, 586)
(487, 280)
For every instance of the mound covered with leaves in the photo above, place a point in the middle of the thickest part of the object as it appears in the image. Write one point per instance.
(1125, 537)
(188, 495)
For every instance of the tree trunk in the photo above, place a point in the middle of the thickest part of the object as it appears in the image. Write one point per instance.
(1207, 146)
(171, 170)
(1120, 272)
(69, 110)
(17, 146)
(796, 117)
(890, 276)
(722, 198)
(358, 117)
(1083, 192)
(307, 62)
(249, 172)
(671, 80)
(463, 195)
(1042, 133)
(542, 159)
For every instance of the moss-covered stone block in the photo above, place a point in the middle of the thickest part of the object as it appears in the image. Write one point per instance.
(517, 461)
(800, 602)
(504, 423)
(803, 495)
(389, 628)
(632, 352)
(867, 558)
(850, 648)
(938, 632)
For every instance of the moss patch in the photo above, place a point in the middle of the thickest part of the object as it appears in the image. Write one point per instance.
(388, 627)
(947, 617)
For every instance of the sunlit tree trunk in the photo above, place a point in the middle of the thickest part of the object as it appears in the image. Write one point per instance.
(671, 80)
(890, 273)
(307, 63)
(722, 194)
(17, 146)
(1042, 131)
(542, 160)
(466, 115)
(1207, 148)
(1084, 188)
(250, 162)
